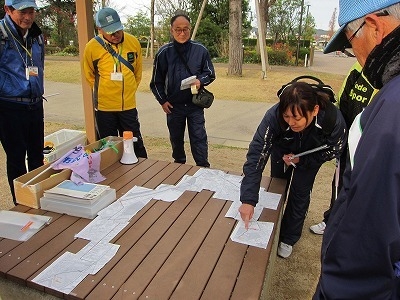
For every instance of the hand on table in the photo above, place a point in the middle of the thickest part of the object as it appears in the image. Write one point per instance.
(246, 213)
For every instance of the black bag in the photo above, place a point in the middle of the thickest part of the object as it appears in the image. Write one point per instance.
(203, 98)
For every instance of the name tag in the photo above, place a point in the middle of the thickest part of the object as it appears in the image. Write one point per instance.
(31, 71)
(116, 76)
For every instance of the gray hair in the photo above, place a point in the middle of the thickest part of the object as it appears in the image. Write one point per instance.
(393, 10)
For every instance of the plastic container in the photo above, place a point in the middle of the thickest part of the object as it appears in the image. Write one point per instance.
(63, 141)
(76, 209)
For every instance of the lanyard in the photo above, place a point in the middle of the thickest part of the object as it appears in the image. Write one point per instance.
(15, 39)
(117, 63)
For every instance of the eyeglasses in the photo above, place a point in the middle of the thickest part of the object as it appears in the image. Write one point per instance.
(178, 31)
(381, 14)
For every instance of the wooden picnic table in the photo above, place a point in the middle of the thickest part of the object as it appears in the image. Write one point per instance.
(169, 250)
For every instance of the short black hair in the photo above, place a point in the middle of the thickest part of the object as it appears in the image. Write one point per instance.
(179, 13)
(300, 97)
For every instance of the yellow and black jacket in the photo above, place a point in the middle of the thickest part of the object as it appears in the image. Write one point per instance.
(98, 64)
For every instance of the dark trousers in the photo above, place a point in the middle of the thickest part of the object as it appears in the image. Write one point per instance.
(176, 122)
(22, 137)
(111, 123)
(298, 198)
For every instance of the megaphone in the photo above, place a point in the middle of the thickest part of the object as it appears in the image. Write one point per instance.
(129, 156)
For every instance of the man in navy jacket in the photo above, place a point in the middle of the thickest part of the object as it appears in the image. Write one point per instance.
(361, 246)
(174, 62)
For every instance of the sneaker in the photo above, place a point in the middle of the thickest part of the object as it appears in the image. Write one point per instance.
(284, 250)
(318, 228)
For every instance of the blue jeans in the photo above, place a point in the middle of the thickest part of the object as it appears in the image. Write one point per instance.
(176, 122)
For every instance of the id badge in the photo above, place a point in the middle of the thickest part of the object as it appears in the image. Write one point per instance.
(116, 76)
(33, 71)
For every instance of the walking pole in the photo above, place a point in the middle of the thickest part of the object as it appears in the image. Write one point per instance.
(310, 151)
(290, 184)
(337, 173)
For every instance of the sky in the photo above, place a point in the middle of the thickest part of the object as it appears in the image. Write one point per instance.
(321, 10)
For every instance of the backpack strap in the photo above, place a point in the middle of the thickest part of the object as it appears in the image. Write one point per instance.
(3, 31)
(3, 36)
(113, 53)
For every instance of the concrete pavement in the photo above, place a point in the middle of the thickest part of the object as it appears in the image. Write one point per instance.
(227, 122)
(230, 123)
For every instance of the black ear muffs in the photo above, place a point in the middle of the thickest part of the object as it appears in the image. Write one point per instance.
(319, 85)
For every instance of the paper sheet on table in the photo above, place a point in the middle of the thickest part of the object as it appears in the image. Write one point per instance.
(268, 199)
(67, 271)
(126, 207)
(233, 211)
(64, 274)
(167, 192)
(187, 82)
(101, 229)
(258, 234)
(225, 186)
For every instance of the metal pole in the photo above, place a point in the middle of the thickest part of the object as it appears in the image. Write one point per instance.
(298, 38)
(306, 24)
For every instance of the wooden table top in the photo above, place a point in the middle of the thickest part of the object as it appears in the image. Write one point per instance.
(169, 250)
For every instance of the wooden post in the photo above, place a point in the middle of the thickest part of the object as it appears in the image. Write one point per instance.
(84, 10)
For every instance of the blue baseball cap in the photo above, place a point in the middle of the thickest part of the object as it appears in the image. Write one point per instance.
(350, 10)
(21, 4)
(108, 20)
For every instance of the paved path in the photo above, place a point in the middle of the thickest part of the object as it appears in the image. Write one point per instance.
(230, 123)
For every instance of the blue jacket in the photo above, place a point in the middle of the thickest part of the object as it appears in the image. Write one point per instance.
(14, 59)
(169, 70)
(361, 245)
(271, 137)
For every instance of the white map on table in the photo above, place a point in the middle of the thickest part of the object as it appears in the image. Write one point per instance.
(65, 273)
(258, 234)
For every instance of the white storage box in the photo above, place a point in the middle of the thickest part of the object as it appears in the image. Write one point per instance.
(87, 210)
(63, 140)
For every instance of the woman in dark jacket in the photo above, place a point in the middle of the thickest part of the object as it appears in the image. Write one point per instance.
(304, 119)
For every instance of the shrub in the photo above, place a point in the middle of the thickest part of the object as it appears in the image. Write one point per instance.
(51, 49)
(278, 57)
(251, 57)
(71, 49)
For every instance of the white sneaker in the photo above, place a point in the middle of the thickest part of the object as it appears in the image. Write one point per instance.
(284, 250)
(318, 228)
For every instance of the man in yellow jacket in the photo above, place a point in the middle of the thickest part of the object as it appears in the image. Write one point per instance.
(113, 67)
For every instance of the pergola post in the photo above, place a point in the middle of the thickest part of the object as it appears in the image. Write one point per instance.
(84, 11)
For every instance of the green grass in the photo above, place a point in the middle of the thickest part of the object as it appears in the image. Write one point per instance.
(63, 71)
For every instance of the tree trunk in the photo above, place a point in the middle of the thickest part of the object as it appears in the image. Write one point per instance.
(235, 38)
